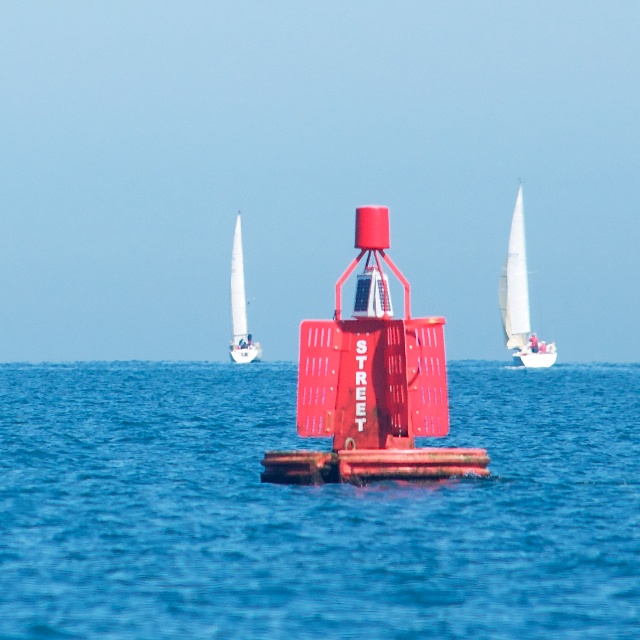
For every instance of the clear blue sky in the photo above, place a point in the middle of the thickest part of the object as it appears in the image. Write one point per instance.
(132, 132)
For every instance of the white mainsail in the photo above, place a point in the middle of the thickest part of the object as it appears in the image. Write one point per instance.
(513, 292)
(238, 297)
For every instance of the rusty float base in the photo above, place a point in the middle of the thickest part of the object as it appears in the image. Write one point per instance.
(361, 466)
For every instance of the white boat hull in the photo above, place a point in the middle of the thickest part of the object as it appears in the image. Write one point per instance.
(534, 360)
(246, 355)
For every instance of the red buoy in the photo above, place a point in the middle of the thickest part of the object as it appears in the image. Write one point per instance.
(373, 383)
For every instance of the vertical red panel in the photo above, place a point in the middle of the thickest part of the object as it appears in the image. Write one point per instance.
(427, 377)
(361, 394)
(396, 379)
(318, 377)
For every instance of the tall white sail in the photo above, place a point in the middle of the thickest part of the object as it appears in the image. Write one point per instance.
(513, 291)
(238, 297)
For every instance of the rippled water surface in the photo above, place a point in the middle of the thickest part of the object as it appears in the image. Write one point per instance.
(131, 507)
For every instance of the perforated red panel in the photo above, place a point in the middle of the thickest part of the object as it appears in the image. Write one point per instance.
(318, 377)
(427, 377)
(396, 380)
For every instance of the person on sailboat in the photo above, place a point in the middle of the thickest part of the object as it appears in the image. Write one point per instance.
(543, 347)
(534, 343)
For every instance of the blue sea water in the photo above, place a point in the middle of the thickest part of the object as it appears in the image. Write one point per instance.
(131, 507)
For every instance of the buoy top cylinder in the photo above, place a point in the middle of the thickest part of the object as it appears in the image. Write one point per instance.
(372, 227)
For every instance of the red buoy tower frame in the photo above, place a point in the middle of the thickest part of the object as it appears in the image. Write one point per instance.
(373, 383)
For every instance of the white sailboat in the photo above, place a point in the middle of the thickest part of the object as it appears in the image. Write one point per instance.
(513, 295)
(242, 349)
